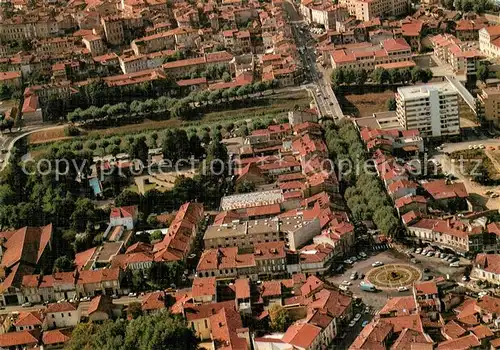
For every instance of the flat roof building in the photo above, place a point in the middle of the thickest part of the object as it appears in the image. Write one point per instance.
(432, 109)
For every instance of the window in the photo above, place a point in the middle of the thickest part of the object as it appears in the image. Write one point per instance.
(69, 314)
(62, 315)
(206, 324)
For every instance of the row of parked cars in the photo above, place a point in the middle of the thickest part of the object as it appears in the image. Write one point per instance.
(353, 259)
(446, 257)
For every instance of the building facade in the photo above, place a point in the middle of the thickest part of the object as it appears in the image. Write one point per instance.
(431, 109)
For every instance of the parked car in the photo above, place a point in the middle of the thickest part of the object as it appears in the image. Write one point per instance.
(344, 288)
(465, 278)
(27, 304)
(418, 250)
(357, 317)
(352, 323)
(362, 254)
(377, 263)
(455, 264)
(426, 270)
(347, 283)
(354, 276)
(364, 323)
(402, 289)
(132, 295)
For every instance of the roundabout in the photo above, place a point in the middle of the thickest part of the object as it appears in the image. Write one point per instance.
(393, 276)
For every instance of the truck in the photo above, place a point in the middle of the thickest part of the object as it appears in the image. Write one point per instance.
(367, 287)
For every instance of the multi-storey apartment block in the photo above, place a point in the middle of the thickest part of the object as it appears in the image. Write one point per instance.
(431, 109)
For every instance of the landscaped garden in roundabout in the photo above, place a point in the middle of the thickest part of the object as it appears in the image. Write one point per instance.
(393, 276)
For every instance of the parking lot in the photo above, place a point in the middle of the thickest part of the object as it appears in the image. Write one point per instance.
(432, 266)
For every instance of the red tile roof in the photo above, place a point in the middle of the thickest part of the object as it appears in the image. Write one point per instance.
(373, 336)
(453, 330)
(242, 288)
(18, 339)
(197, 312)
(60, 307)
(426, 288)
(101, 303)
(30, 318)
(399, 306)
(97, 276)
(488, 262)
(31, 104)
(26, 244)
(56, 336)
(82, 258)
(204, 286)
(481, 331)
(440, 189)
(463, 343)
(153, 301)
(301, 335)
(410, 339)
(123, 212)
(226, 324)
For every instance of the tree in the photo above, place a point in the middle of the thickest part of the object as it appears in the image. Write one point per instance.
(416, 74)
(395, 76)
(138, 150)
(406, 75)
(243, 131)
(155, 235)
(380, 76)
(279, 318)
(482, 72)
(134, 310)
(245, 187)
(349, 76)
(195, 146)
(360, 76)
(226, 77)
(426, 75)
(63, 264)
(391, 104)
(337, 77)
(127, 198)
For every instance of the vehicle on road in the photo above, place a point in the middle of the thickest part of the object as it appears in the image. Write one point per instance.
(402, 289)
(347, 283)
(465, 278)
(418, 250)
(362, 254)
(28, 304)
(132, 295)
(352, 323)
(114, 296)
(357, 317)
(455, 264)
(415, 261)
(344, 288)
(367, 287)
(354, 275)
(377, 263)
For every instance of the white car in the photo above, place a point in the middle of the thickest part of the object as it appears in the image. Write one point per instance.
(344, 288)
(465, 278)
(347, 283)
(418, 251)
(402, 289)
(357, 317)
(471, 146)
(352, 323)
(363, 254)
(377, 263)
(455, 264)
(481, 146)
(430, 254)
(132, 295)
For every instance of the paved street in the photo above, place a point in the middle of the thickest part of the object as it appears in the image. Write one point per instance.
(378, 299)
(323, 94)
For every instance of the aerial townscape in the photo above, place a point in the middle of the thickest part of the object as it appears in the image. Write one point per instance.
(250, 174)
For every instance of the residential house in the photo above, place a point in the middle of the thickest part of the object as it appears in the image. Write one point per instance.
(61, 315)
(31, 320)
(100, 309)
(204, 290)
(102, 281)
(124, 216)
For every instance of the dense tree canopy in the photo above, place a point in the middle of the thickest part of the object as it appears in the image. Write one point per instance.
(160, 331)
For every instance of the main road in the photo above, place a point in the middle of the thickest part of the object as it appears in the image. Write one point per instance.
(324, 96)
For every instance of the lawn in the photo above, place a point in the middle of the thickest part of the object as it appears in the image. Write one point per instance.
(366, 104)
(51, 135)
(470, 158)
(272, 106)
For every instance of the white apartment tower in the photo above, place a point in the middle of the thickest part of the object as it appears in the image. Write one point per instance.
(432, 109)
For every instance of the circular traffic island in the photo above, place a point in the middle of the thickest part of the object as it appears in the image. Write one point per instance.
(393, 276)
